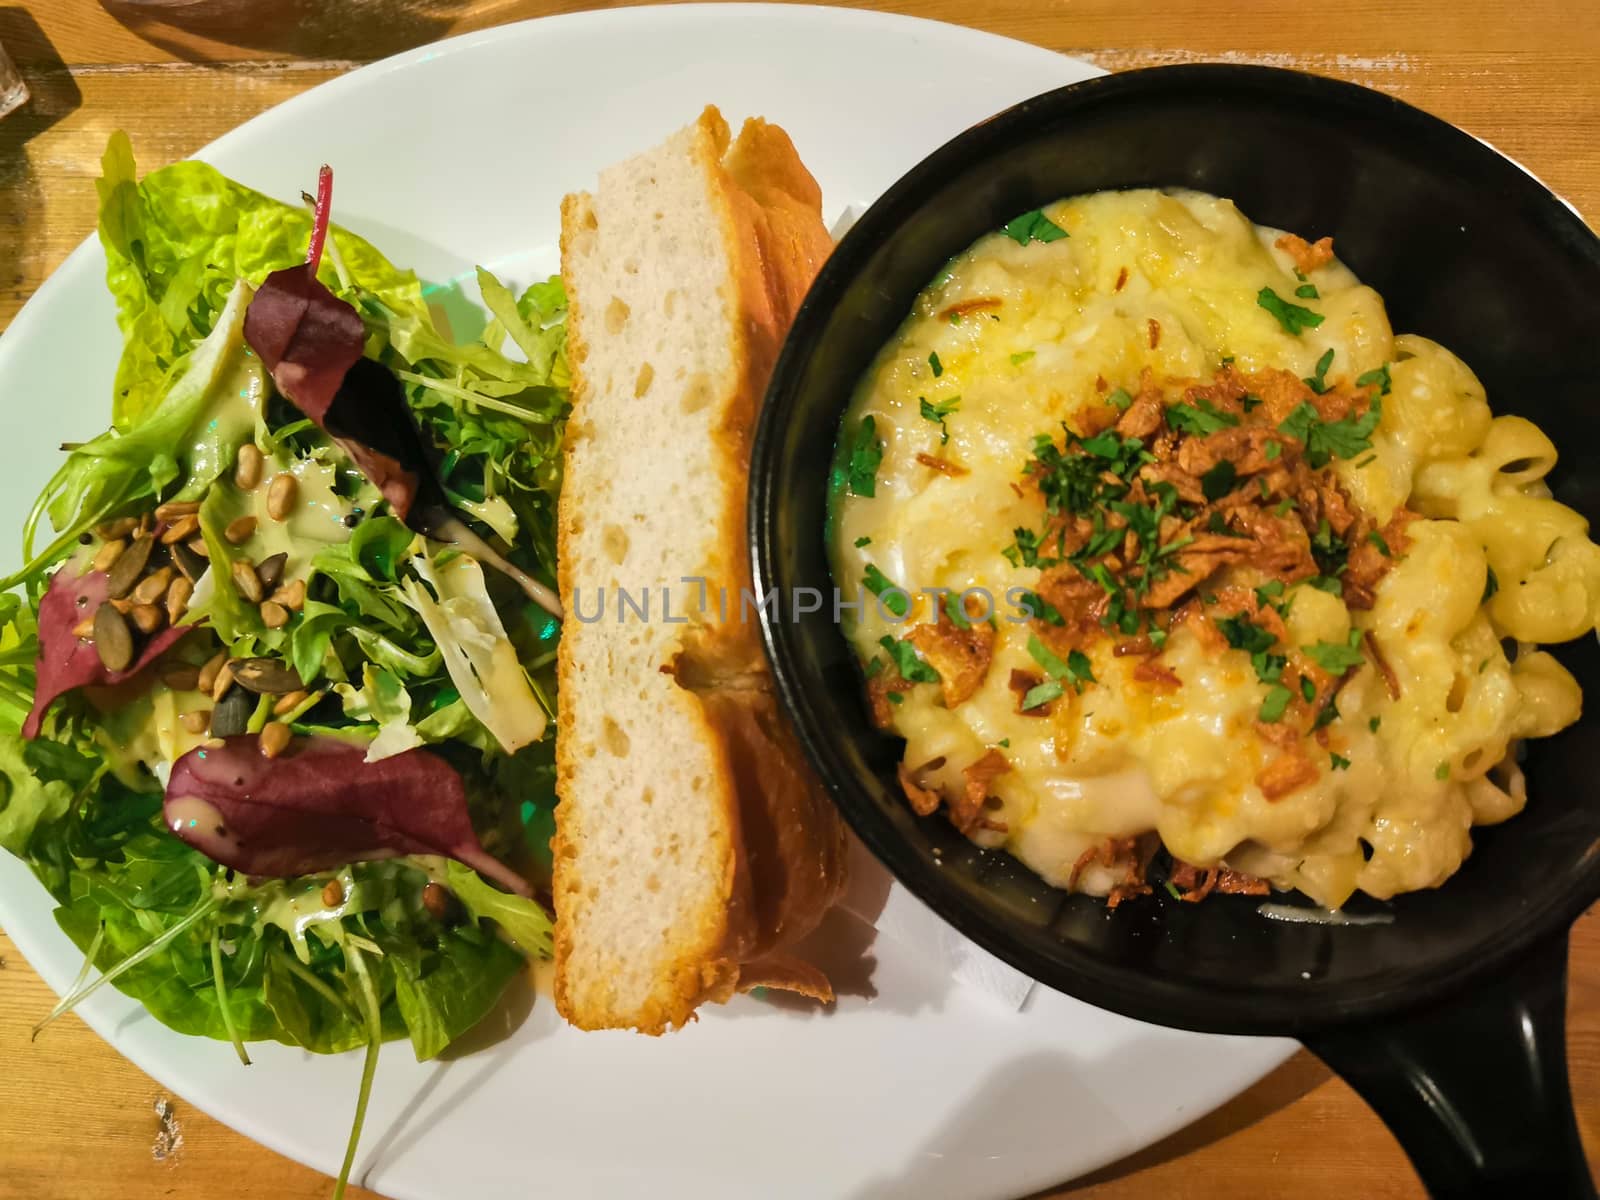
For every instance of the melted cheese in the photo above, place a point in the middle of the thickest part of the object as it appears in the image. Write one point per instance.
(1169, 281)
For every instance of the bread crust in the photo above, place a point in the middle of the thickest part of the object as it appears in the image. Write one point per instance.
(778, 848)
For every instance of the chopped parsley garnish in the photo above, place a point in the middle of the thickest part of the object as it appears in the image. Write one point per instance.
(1275, 704)
(1318, 381)
(1292, 317)
(1120, 400)
(1326, 583)
(1219, 480)
(1442, 771)
(1337, 762)
(1268, 592)
(1376, 539)
(1366, 462)
(866, 453)
(1251, 402)
(1024, 550)
(1337, 657)
(1330, 552)
(1244, 634)
(1076, 670)
(1374, 723)
(933, 361)
(1307, 291)
(1199, 419)
(911, 667)
(1018, 359)
(1491, 585)
(1325, 440)
(1308, 689)
(876, 582)
(875, 668)
(894, 697)
(1037, 606)
(1328, 715)
(956, 611)
(937, 413)
(1379, 376)
(1004, 743)
(1172, 889)
(863, 541)
(1033, 227)
(1158, 638)
(1042, 694)
(1284, 506)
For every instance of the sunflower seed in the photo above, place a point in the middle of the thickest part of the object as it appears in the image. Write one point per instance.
(232, 713)
(106, 557)
(246, 581)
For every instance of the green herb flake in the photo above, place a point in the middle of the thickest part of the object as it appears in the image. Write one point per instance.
(1004, 743)
(1491, 585)
(866, 454)
(1251, 402)
(1336, 657)
(938, 412)
(1041, 695)
(1172, 889)
(1292, 317)
(906, 660)
(1338, 762)
(1219, 480)
(1376, 539)
(1308, 690)
(1033, 227)
(1318, 382)
(1307, 291)
(1442, 771)
(1379, 376)
(1275, 704)
(1041, 609)
(933, 361)
(1199, 419)
(1374, 723)
(863, 541)
(1120, 400)
(1324, 440)
(1021, 357)
(874, 668)
(876, 582)
(895, 697)
(1158, 638)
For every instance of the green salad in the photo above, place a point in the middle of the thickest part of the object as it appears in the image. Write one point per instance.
(277, 674)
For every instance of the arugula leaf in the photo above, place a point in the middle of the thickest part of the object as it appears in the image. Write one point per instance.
(1292, 317)
(911, 666)
(1033, 227)
(866, 453)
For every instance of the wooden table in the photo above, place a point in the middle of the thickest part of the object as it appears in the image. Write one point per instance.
(76, 1121)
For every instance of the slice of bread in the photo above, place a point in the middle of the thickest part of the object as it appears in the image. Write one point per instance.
(692, 843)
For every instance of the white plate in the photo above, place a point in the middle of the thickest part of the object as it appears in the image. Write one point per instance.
(457, 154)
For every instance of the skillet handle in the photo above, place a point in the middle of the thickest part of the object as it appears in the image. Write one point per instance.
(1475, 1088)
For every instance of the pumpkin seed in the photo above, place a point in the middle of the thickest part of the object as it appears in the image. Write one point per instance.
(113, 640)
(266, 676)
(270, 570)
(130, 565)
(232, 713)
(187, 561)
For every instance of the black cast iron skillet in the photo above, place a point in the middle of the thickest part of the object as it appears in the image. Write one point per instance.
(1449, 1020)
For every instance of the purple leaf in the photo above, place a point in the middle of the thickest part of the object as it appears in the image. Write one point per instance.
(65, 661)
(320, 805)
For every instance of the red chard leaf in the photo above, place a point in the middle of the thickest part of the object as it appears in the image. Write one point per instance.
(320, 805)
(65, 661)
